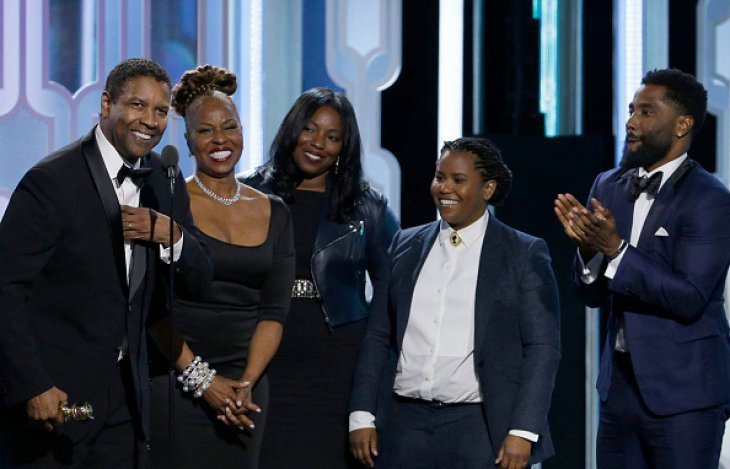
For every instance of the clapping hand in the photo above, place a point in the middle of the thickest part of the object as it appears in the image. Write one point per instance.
(592, 232)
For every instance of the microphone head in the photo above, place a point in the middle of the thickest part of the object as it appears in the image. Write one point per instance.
(169, 156)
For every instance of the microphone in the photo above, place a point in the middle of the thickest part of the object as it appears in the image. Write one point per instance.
(169, 159)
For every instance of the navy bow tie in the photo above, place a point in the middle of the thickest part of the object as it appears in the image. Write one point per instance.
(137, 176)
(639, 184)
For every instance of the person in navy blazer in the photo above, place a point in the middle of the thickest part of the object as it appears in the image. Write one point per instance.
(511, 336)
(656, 248)
(72, 314)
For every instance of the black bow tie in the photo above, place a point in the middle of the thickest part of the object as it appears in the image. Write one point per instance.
(650, 185)
(137, 176)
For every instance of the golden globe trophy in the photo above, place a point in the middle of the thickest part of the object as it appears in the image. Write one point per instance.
(78, 411)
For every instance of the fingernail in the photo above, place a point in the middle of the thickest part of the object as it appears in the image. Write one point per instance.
(258, 411)
(252, 426)
(228, 401)
(239, 403)
(227, 409)
(246, 383)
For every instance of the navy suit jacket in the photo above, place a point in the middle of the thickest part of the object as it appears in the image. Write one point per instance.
(516, 333)
(669, 290)
(65, 304)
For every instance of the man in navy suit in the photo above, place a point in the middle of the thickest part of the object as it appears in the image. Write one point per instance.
(84, 254)
(656, 248)
(459, 371)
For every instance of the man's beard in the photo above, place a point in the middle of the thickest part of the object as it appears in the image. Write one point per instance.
(651, 149)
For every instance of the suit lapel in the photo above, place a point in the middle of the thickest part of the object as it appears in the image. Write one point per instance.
(489, 279)
(663, 199)
(329, 232)
(623, 207)
(413, 263)
(104, 188)
(140, 258)
(137, 268)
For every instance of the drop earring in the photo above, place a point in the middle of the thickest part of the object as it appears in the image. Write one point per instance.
(337, 165)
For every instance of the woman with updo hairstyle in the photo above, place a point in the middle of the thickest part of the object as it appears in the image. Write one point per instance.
(342, 229)
(222, 346)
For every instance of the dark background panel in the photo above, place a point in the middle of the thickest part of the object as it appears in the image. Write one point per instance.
(543, 167)
(682, 55)
(409, 110)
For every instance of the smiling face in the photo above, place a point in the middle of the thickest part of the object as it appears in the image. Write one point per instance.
(458, 190)
(651, 129)
(319, 145)
(134, 124)
(214, 135)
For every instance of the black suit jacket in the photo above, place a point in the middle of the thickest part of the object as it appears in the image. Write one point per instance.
(65, 304)
(516, 331)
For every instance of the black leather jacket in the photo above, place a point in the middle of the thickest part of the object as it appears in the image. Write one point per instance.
(343, 252)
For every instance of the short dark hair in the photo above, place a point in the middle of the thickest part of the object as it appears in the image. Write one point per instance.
(344, 186)
(683, 91)
(132, 68)
(489, 163)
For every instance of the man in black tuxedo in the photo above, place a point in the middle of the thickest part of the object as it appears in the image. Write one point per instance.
(84, 256)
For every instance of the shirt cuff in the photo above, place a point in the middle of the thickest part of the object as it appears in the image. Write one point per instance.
(361, 419)
(590, 270)
(176, 250)
(533, 437)
(612, 266)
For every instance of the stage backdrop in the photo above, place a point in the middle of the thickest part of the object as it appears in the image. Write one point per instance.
(55, 55)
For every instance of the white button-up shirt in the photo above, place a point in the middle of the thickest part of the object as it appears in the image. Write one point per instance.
(642, 205)
(437, 358)
(127, 193)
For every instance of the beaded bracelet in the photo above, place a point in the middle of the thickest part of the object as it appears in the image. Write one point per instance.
(196, 377)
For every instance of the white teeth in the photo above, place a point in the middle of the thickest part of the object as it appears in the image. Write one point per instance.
(448, 202)
(141, 135)
(220, 155)
(312, 156)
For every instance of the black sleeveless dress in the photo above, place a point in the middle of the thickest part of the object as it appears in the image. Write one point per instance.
(250, 284)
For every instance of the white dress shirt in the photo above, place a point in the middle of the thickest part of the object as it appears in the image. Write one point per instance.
(436, 362)
(127, 193)
(642, 205)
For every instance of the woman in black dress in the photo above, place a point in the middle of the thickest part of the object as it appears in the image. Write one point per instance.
(219, 417)
(342, 229)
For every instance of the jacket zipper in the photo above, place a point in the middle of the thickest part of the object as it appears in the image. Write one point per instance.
(353, 229)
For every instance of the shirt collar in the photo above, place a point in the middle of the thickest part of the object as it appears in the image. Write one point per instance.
(113, 161)
(469, 235)
(667, 170)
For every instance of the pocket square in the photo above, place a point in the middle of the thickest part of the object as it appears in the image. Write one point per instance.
(661, 232)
